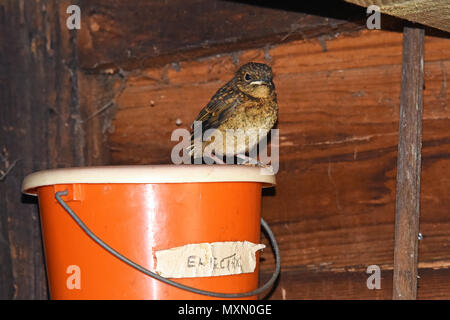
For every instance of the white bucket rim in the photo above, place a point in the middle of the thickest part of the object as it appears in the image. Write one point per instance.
(147, 174)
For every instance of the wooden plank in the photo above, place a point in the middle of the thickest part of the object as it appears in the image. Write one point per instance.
(176, 30)
(40, 127)
(321, 246)
(322, 285)
(433, 13)
(409, 166)
(311, 285)
(98, 103)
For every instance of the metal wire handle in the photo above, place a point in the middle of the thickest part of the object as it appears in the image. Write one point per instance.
(121, 257)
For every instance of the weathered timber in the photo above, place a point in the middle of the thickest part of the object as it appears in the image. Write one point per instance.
(409, 166)
(136, 34)
(323, 285)
(433, 13)
(40, 128)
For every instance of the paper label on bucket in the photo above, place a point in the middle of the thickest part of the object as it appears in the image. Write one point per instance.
(207, 259)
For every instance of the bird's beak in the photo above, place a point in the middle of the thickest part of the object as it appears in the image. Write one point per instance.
(268, 83)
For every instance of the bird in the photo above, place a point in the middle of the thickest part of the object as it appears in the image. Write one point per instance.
(246, 104)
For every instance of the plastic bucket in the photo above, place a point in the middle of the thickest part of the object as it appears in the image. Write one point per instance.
(139, 210)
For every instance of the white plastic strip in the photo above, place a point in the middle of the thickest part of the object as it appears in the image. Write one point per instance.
(149, 174)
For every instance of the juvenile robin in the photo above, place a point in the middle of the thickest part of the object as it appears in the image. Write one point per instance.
(246, 104)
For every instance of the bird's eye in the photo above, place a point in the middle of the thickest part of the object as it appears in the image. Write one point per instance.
(247, 77)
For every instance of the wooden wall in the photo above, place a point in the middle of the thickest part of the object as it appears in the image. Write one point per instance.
(39, 129)
(112, 92)
(334, 205)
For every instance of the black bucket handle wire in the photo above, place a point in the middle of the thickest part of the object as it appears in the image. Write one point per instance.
(133, 264)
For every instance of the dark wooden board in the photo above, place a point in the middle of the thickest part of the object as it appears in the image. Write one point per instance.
(407, 209)
(302, 284)
(40, 128)
(136, 34)
(429, 12)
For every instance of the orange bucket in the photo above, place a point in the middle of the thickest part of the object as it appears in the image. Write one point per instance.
(138, 211)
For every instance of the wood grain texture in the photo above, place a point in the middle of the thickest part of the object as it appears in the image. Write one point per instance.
(407, 209)
(98, 103)
(334, 204)
(433, 13)
(302, 284)
(40, 127)
(177, 30)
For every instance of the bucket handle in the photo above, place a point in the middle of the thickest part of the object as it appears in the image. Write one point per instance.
(121, 257)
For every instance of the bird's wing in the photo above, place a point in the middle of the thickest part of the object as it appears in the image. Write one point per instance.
(220, 107)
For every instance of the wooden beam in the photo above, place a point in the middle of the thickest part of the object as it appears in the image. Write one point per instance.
(134, 34)
(433, 13)
(408, 166)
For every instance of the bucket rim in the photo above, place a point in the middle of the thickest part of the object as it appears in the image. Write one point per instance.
(147, 174)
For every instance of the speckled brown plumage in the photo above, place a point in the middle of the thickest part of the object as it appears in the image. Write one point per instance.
(246, 102)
